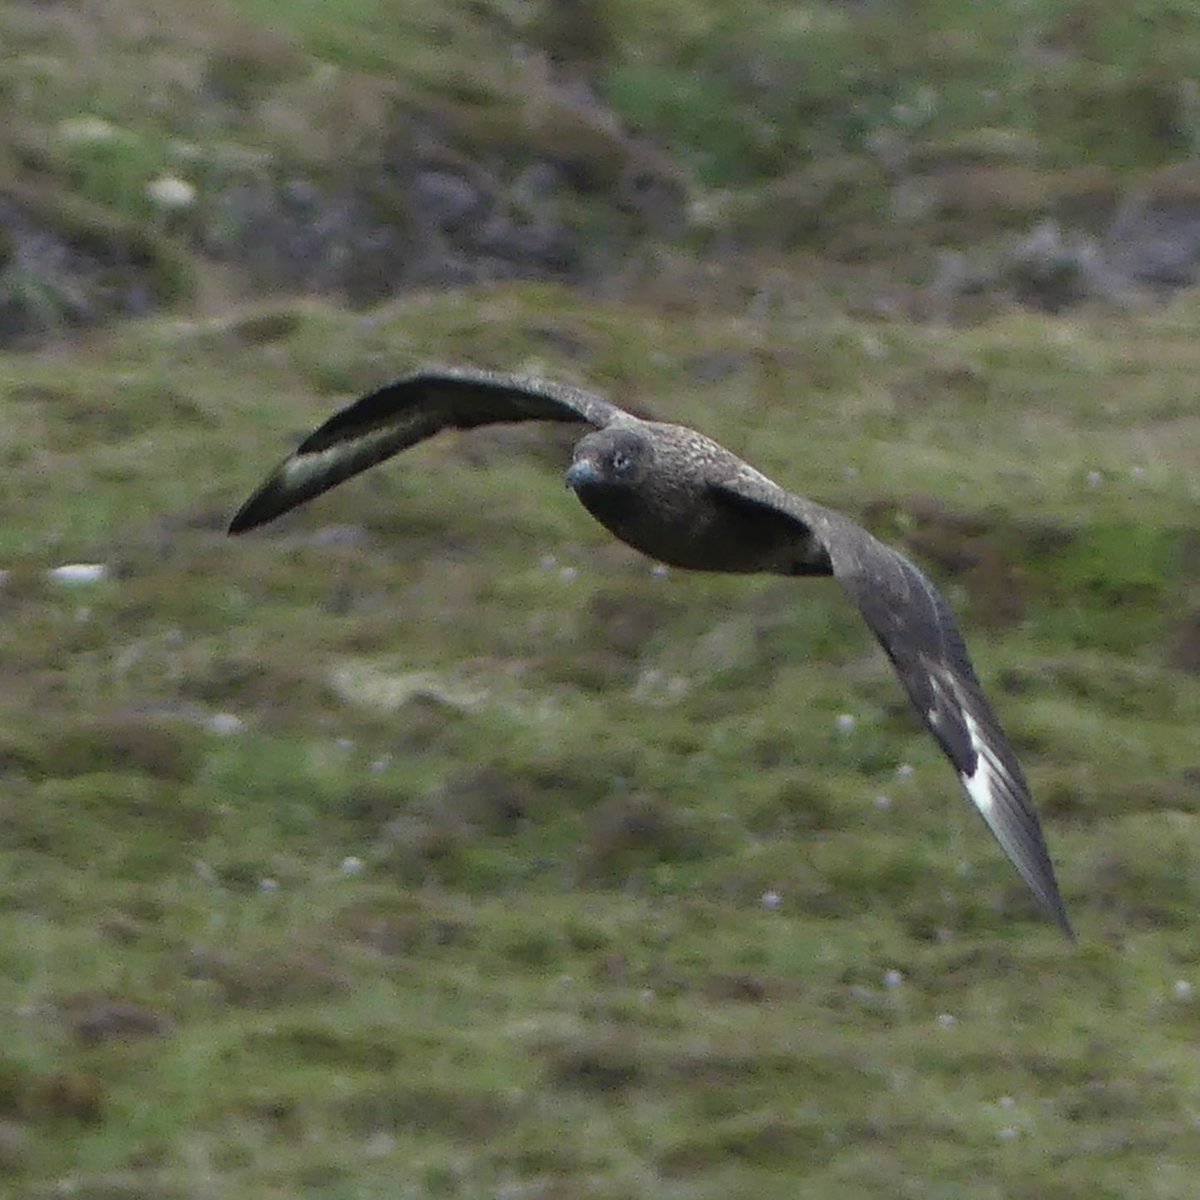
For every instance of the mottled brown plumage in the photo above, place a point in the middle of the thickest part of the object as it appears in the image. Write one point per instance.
(682, 499)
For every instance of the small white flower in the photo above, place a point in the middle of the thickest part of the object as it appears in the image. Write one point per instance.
(1182, 990)
(905, 770)
(352, 865)
(845, 722)
(892, 978)
(568, 574)
(883, 803)
(660, 570)
(268, 886)
(1094, 479)
(771, 900)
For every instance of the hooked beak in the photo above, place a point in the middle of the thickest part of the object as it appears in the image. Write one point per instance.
(581, 473)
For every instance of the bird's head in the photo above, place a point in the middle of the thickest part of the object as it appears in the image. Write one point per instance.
(609, 458)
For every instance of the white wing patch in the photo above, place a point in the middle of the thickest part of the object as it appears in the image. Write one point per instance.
(983, 784)
(306, 462)
(303, 467)
(980, 785)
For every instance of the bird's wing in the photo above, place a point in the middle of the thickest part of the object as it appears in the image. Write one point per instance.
(913, 624)
(403, 413)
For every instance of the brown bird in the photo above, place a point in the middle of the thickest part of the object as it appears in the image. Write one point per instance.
(684, 500)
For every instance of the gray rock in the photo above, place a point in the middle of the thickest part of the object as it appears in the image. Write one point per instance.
(447, 200)
(1155, 238)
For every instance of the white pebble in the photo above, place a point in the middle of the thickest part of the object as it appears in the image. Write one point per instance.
(892, 978)
(845, 722)
(1094, 479)
(225, 724)
(568, 574)
(771, 900)
(660, 570)
(1183, 990)
(268, 886)
(946, 1020)
(883, 803)
(352, 865)
(76, 573)
(171, 193)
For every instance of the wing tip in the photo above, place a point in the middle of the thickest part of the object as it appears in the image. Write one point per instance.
(1064, 924)
(242, 522)
(1054, 907)
(265, 505)
(999, 793)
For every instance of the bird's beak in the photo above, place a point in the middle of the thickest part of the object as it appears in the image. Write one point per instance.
(581, 473)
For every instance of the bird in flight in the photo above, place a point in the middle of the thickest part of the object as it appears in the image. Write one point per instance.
(682, 499)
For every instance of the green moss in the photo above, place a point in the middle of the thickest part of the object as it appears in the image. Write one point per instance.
(1110, 588)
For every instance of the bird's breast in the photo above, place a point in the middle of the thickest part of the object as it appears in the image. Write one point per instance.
(684, 531)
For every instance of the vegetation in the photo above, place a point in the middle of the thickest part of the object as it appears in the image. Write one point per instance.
(431, 844)
(459, 851)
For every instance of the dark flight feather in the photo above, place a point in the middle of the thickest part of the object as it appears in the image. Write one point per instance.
(917, 631)
(405, 412)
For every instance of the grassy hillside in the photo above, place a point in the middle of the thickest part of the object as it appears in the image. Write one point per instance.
(431, 844)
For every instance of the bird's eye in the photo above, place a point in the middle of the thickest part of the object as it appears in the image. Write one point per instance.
(621, 461)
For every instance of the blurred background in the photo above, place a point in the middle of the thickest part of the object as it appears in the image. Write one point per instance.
(429, 842)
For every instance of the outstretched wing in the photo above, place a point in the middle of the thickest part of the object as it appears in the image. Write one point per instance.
(913, 624)
(405, 412)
